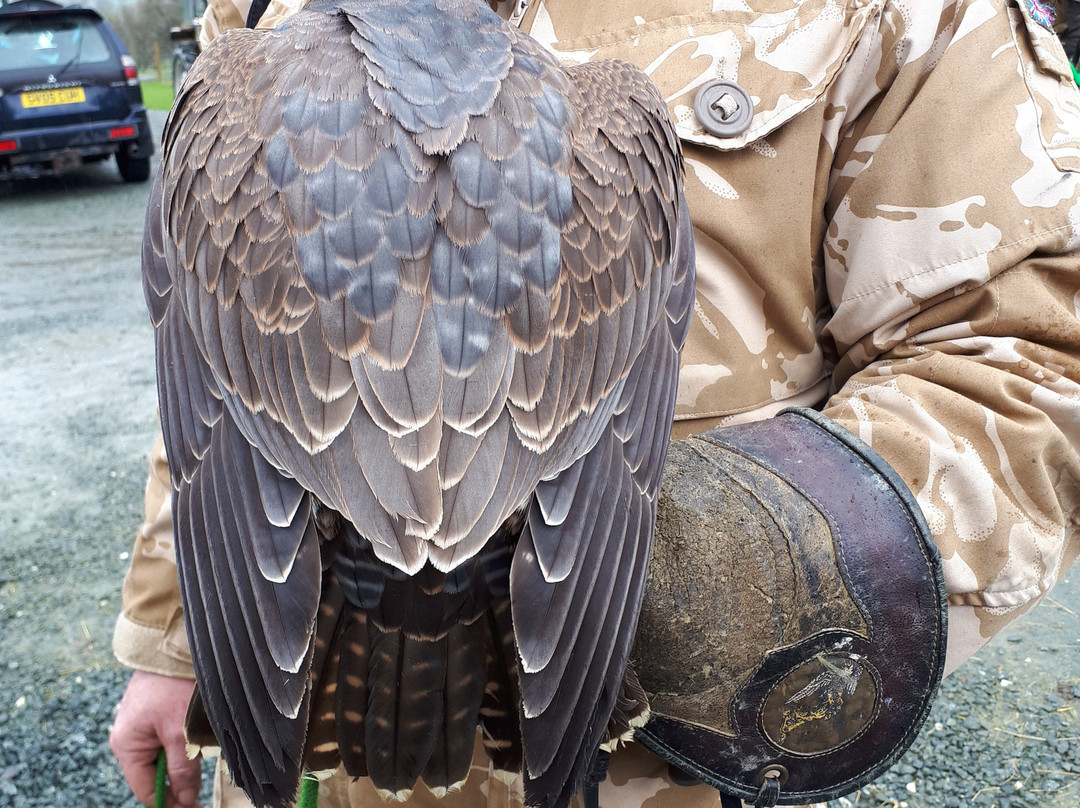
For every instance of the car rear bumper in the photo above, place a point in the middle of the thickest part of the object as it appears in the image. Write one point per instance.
(76, 142)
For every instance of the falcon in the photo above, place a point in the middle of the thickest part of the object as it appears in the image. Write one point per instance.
(419, 294)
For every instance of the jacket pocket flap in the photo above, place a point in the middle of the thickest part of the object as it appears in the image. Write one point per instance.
(784, 59)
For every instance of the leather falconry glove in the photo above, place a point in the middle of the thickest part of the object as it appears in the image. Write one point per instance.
(793, 632)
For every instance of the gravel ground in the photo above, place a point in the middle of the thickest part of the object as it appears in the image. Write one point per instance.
(77, 410)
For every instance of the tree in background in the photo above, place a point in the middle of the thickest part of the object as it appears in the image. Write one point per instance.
(144, 24)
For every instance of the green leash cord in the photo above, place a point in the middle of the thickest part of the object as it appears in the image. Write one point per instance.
(309, 792)
(159, 781)
(309, 787)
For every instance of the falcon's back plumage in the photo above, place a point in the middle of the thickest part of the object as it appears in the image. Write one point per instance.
(419, 294)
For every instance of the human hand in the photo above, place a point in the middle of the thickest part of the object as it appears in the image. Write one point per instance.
(151, 716)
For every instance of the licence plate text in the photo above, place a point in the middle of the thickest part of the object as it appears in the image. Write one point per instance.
(52, 98)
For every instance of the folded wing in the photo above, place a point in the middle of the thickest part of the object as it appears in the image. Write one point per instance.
(426, 286)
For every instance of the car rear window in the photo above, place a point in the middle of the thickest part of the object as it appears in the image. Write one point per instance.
(55, 43)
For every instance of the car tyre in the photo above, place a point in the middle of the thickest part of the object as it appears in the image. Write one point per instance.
(132, 169)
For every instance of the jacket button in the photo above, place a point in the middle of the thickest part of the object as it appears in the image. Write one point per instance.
(724, 108)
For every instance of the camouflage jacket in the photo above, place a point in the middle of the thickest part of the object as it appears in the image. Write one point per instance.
(893, 239)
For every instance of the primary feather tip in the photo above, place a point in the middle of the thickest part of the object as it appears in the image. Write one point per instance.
(453, 788)
(194, 750)
(394, 796)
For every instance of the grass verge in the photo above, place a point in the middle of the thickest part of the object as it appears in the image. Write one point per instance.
(157, 95)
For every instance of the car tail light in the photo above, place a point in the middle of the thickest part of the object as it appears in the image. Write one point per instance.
(131, 73)
(122, 131)
(8, 146)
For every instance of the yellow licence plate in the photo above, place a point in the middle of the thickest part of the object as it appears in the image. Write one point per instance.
(52, 98)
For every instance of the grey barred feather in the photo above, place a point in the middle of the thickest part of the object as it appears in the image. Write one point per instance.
(407, 678)
(462, 691)
(419, 294)
(350, 714)
(321, 748)
(502, 696)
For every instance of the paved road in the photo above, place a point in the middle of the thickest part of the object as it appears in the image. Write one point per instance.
(77, 415)
(77, 406)
(77, 397)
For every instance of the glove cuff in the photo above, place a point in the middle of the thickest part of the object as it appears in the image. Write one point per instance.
(824, 642)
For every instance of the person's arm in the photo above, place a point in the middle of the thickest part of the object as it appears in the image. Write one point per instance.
(952, 262)
(150, 638)
(149, 633)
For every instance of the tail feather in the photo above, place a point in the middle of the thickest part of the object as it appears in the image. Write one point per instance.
(405, 668)
(405, 701)
(352, 694)
(321, 751)
(499, 720)
(463, 690)
(197, 729)
(631, 711)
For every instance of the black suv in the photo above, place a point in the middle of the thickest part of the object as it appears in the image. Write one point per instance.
(69, 92)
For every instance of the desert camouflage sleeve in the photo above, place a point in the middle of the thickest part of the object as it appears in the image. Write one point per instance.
(149, 634)
(953, 275)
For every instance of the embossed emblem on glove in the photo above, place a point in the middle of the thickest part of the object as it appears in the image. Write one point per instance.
(822, 704)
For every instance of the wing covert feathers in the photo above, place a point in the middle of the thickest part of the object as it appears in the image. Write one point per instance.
(419, 294)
